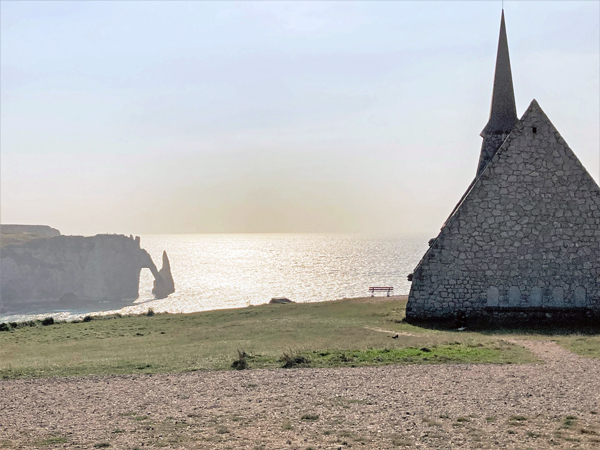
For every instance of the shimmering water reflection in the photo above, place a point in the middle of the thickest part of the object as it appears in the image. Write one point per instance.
(213, 271)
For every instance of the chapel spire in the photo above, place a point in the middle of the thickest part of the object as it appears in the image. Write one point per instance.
(503, 113)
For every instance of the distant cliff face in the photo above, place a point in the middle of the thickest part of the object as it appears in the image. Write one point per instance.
(40, 230)
(73, 268)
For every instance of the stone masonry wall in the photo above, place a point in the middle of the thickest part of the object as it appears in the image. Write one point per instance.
(526, 236)
(490, 145)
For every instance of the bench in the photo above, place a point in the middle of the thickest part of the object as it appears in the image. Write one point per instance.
(372, 290)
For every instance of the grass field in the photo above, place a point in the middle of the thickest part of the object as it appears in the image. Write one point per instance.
(330, 334)
(17, 238)
(587, 344)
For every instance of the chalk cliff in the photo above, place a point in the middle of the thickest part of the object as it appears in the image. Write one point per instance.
(76, 269)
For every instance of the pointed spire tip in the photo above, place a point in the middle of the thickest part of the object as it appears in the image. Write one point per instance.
(503, 114)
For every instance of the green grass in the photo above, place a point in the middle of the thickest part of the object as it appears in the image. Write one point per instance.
(583, 340)
(585, 345)
(328, 334)
(17, 238)
(52, 440)
(448, 353)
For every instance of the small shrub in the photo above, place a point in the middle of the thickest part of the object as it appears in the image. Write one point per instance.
(4, 327)
(88, 319)
(292, 359)
(102, 445)
(48, 321)
(13, 324)
(53, 440)
(150, 312)
(311, 417)
(27, 323)
(569, 421)
(344, 358)
(241, 363)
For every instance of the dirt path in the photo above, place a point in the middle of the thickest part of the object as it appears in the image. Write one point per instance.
(390, 332)
(551, 405)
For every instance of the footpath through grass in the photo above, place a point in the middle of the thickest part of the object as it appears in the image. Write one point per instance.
(350, 332)
(582, 340)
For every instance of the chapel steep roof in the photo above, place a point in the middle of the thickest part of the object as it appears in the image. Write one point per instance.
(545, 131)
(503, 113)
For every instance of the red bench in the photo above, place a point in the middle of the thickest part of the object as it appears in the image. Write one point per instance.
(372, 290)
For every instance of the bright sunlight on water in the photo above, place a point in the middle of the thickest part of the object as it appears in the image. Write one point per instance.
(215, 271)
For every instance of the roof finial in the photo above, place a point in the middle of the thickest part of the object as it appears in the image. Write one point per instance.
(503, 114)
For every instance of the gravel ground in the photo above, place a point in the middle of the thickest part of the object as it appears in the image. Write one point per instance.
(551, 405)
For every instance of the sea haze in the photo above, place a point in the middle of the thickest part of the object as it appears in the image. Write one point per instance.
(217, 271)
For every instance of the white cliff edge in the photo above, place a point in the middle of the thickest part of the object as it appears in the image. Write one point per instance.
(77, 270)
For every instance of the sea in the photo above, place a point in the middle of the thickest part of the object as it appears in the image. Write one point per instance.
(218, 271)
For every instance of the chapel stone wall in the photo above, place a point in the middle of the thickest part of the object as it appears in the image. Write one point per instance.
(525, 238)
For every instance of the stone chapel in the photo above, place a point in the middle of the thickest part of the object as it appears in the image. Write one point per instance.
(523, 243)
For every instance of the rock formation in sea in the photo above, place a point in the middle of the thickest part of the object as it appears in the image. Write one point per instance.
(163, 283)
(76, 270)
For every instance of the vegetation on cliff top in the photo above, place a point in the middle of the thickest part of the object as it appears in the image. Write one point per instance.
(18, 238)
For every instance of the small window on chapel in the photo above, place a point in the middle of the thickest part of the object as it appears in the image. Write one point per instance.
(534, 129)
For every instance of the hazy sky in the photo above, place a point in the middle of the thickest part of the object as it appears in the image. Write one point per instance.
(178, 117)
